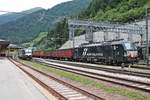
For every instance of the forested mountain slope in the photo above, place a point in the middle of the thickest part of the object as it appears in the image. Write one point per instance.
(29, 26)
(116, 10)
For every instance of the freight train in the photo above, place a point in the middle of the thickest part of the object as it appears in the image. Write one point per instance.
(114, 52)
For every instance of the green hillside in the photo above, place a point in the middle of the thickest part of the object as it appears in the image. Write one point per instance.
(29, 26)
(51, 40)
(100, 10)
(39, 40)
(116, 10)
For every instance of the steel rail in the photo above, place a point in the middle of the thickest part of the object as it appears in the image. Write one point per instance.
(125, 82)
(61, 97)
(121, 71)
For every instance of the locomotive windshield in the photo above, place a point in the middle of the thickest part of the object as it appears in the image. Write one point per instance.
(129, 46)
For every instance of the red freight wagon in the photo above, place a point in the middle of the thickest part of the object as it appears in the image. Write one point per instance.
(34, 53)
(53, 54)
(67, 53)
(48, 54)
(38, 54)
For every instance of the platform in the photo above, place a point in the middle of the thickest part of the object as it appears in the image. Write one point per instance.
(14, 85)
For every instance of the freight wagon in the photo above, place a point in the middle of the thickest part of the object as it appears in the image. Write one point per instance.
(58, 54)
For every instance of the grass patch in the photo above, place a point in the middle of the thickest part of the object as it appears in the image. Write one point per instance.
(85, 81)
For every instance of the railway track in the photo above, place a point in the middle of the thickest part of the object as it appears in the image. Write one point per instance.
(112, 70)
(140, 67)
(136, 82)
(59, 88)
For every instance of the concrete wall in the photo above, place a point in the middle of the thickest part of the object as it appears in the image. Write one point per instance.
(99, 37)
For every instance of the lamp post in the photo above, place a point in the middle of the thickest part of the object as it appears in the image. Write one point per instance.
(72, 36)
(147, 39)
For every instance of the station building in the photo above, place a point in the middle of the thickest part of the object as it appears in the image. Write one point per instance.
(3, 47)
(12, 51)
(8, 50)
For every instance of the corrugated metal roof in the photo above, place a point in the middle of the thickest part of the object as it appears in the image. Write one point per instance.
(2, 40)
(4, 44)
(14, 46)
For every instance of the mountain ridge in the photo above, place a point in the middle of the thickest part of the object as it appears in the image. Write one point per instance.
(5, 18)
(26, 28)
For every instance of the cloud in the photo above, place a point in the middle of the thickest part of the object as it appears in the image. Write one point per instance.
(20, 5)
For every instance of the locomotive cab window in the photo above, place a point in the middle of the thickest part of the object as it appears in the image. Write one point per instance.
(129, 46)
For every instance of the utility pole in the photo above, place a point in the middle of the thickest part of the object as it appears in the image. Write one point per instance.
(73, 39)
(147, 39)
(72, 36)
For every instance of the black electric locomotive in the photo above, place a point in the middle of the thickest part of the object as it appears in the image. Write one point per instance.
(116, 52)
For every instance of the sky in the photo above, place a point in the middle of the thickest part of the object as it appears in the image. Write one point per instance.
(21, 5)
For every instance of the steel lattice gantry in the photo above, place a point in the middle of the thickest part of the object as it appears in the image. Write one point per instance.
(91, 26)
